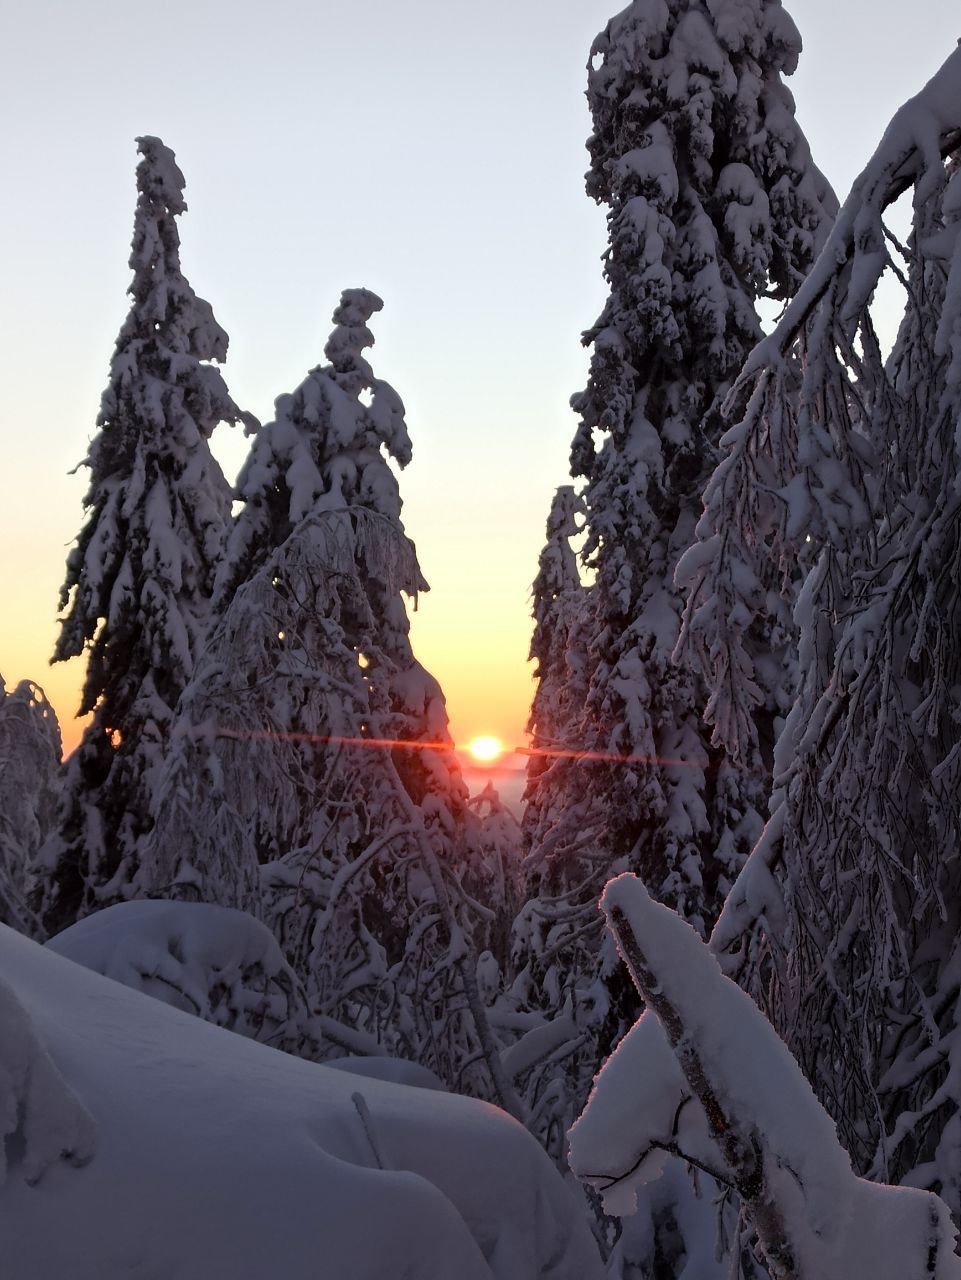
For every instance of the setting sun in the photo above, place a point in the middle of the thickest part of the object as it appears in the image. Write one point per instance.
(485, 750)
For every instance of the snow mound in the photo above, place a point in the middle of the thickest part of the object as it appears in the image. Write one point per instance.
(218, 1156)
(217, 963)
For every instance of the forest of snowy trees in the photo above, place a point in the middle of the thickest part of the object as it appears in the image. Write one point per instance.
(713, 975)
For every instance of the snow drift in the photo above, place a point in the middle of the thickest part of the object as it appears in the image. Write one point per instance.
(216, 1155)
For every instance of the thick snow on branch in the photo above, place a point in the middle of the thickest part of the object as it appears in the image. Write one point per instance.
(760, 1126)
(921, 134)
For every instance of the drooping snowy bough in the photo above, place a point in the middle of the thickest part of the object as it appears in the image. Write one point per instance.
(801, 460)
(703, 1075)
(844, 924)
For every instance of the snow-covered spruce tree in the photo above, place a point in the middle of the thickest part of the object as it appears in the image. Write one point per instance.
(322, 453)
(138, 585)
(260, 684)
(557, 596)
(308, 682)
(713, 201)
(29, 794)
(845, 921)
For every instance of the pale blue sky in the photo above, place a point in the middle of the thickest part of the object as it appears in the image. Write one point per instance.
(431, 151)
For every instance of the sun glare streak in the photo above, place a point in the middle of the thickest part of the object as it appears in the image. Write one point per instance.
(484, 750)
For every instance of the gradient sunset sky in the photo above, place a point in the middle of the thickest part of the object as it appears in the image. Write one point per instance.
(433, 152)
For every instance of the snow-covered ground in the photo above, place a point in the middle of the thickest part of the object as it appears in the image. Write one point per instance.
(214, 1155)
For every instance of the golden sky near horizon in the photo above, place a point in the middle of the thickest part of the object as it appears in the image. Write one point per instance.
(459, 630)
(433, 154)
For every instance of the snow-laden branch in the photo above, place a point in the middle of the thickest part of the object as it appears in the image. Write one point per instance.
(925, 130)
(703, 1048)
